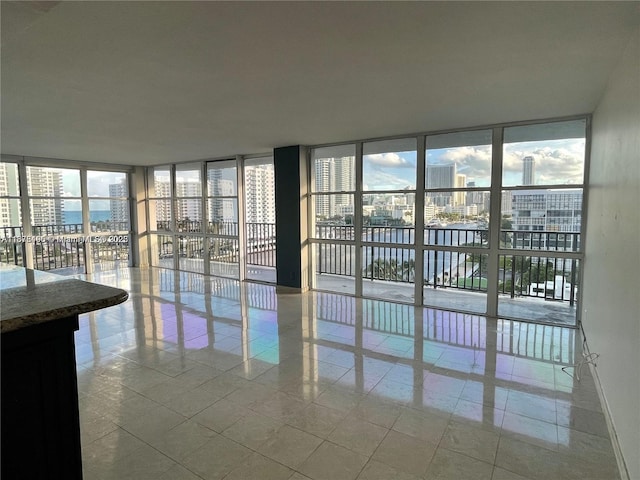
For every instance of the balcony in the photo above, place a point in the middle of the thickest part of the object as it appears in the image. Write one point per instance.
(63, 247)
(541, 287)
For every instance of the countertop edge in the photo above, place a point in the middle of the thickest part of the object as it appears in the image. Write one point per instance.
(17, 323)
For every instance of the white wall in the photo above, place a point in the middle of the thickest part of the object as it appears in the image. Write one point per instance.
(611, 311)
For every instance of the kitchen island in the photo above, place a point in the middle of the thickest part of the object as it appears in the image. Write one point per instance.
(40, 420)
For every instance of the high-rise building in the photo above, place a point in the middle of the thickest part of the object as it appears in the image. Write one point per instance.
(334, 175)
(441, 176)
(528, 171)
(119, 208)
(45, 188)
(221, 209)
(9, 208)
(259, 185)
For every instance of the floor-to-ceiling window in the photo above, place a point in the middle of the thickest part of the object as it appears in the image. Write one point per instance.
(482, 220)
(260, 218)
(388, 218)
(543, 178)
(68, 219)
(109, 218)
(160, 192)
(333, 193)
(193, 216)
(223, 219)
(456, 215)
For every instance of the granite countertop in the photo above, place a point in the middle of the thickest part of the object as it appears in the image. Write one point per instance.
(29, 297)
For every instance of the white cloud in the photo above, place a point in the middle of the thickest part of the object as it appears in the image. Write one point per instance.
(559, 161)
(474, 162)
(389, 160)
(380, 180)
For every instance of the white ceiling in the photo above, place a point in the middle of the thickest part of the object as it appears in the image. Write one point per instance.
(142, 83)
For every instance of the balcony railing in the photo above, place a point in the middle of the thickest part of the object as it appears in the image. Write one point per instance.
(11, 250)
(51, 255)
(548, 277)
(63, 246)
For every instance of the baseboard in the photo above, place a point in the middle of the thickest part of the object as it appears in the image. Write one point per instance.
(622, 466)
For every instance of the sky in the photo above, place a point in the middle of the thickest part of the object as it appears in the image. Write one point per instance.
(97, 186)
(556, 162)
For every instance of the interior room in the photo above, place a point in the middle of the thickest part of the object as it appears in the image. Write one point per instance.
(360, 240)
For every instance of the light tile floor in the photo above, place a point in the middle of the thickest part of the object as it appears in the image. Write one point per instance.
(208, 378)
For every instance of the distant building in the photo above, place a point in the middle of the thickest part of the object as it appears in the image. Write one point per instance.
(221, 209)
(547, 211)
(118, 207)
(9, 208)
(528, 171)
(506, 207)
(46, 184)
(259, 187)
(334, 175)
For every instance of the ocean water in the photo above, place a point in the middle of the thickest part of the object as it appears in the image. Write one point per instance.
(75, 216)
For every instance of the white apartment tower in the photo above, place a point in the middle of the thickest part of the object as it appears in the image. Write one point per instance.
(334, 175)
(45, 188)
(118, 207)
(259, 185)
(9, 208)
(528, 171)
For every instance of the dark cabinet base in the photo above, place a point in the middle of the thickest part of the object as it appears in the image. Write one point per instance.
(40, 419)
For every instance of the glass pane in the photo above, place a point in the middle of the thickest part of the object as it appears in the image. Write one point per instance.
(223, 216)
(389, 165)
(160, 214)
(333, 211)
(388, 273)
(109, 215)
(224, 257)
(466, 224)
(107, 184)
(334, 169)
(260, 218)
(53, 182)
(543, 289)
(161, 182)
(163, 251)
(545, 154)
(52, 254)
(456, 160)
(9, 181)
(189, 214)
(10, 219)
(188, 182)
(335, 267)
(259, 190)
(544, 220)
(110, 252)
(456, 280)
(222, 179)
(51, 213)
(190, 253)
(11, 232)
(392, 209)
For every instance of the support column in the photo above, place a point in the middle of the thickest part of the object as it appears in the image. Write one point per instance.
(139, 238)
(292, 245)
